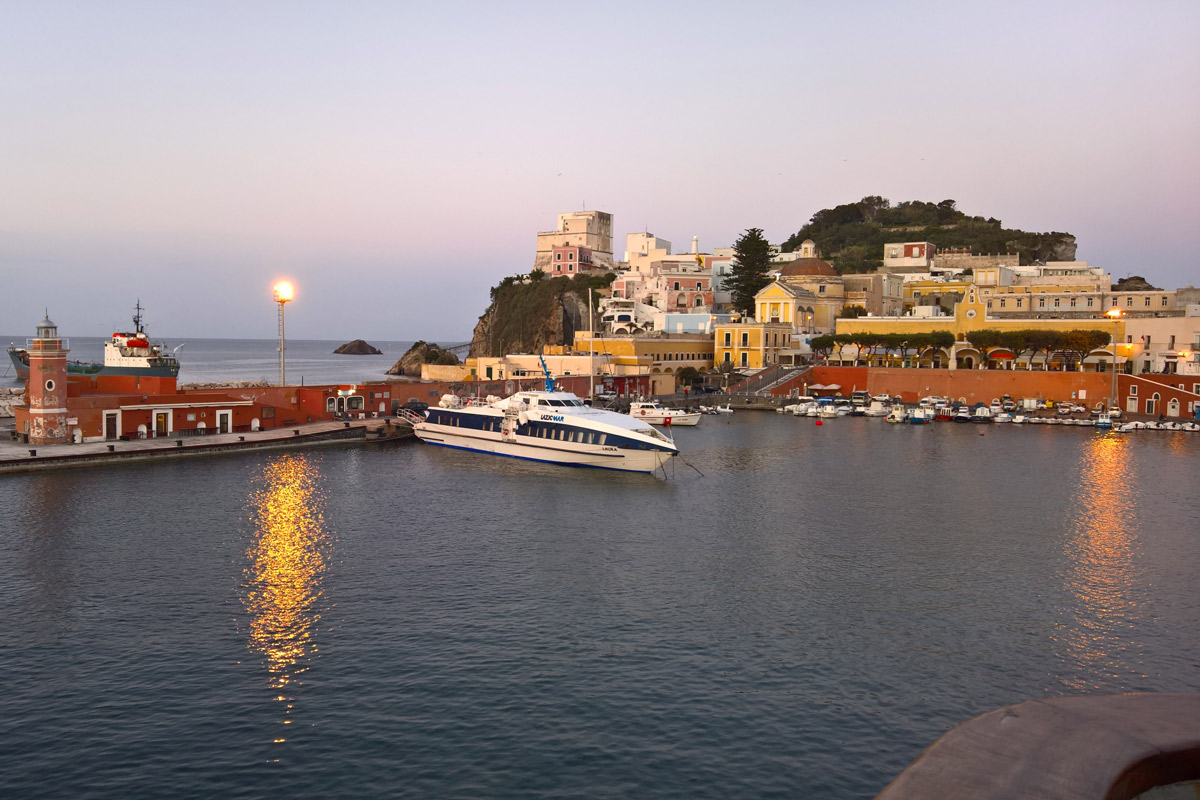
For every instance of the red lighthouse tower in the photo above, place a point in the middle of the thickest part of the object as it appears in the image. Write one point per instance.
(47, 394)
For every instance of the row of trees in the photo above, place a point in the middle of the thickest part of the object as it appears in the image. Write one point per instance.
(883, 343)
(1073, 345)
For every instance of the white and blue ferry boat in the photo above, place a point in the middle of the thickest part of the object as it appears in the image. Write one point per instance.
(556, 427)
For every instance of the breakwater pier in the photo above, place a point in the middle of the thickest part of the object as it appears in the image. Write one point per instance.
(17, 456)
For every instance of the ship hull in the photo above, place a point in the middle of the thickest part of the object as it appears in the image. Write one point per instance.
(21, 367)
(537, 449)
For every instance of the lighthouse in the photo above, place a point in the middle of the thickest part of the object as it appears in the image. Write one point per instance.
(47, 395)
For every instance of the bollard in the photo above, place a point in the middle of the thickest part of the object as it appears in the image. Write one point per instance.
(295, 431)
(179, 442)
(33, 452)
(241, 438)
(112, 448)
(347, 424)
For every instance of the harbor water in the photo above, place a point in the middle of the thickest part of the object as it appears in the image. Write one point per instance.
(795, 611)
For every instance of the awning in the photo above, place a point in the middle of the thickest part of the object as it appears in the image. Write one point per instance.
(1000, 355)
(816, 386)
(833, 387)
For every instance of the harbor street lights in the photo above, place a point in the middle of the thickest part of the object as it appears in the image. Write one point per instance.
(1115, 314)
(283, 294)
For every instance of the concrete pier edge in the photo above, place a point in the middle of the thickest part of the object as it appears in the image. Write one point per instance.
(1096, 747)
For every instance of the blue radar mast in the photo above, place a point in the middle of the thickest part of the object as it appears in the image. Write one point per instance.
(546, 371)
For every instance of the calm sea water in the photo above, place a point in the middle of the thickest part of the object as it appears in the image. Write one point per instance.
(799, 620)
(310, 361)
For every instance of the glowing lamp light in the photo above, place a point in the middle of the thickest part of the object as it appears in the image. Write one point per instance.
(283, 294)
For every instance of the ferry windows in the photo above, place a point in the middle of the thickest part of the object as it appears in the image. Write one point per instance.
(601, 438)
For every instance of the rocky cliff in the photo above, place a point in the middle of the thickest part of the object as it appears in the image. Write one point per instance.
(421, 353)
(524, 317)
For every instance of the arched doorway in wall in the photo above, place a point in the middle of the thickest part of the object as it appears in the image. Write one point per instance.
(1152, 403)
(1173, 407)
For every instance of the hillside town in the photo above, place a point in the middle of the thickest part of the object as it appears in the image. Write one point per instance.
(669, 319)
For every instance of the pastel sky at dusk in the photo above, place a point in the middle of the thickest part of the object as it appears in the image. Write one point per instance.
(396, 160)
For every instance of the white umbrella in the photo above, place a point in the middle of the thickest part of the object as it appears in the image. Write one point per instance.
(816, 386)
(833, 387)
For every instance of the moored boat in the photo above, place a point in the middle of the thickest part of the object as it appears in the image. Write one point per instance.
(653, 412)
(549, 426)
(125, 353)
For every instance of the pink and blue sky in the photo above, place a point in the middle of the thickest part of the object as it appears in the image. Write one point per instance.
(395, 160)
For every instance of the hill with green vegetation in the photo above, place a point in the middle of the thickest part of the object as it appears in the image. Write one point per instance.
(526, 315)
(851, 236)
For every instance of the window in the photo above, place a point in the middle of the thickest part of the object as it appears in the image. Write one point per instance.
(1128, 302)
(1002, 302)
(1164, 301)
(1057, 302)
(745, 338)
(558, 256)
(1171, 346)
(726, 356)
(1041, 302)
(745, 359)
(1133, 390)
(821, 289)
(677, 286)
(728, 336)
(1072, 302)
(1089, 302)
(698, 303)
(1019, 302)
(1147, 303)
(570, 256)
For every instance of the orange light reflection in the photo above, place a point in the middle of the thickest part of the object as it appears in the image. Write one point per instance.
(1101, 550)
(283, 577)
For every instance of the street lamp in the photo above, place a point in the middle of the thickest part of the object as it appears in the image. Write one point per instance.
(1115, 314)
(283, 294)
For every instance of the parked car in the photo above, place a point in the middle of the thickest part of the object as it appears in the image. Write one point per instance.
(1064, 408)
(710, 389)
(415, 405)
(608, 396)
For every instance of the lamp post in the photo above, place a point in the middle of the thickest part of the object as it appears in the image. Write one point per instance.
(1115, 314)
(283, 294)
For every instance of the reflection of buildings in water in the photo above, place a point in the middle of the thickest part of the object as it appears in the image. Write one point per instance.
(1100, 551)
(51, 557)
(283, 577)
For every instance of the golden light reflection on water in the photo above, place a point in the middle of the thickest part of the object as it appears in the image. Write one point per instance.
(1101, 553)
(283, 577)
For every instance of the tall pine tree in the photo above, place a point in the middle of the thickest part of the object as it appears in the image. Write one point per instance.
(748, 273)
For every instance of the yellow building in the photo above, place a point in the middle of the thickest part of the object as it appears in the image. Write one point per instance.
(661, 355)
(971, 315)
(750, 344)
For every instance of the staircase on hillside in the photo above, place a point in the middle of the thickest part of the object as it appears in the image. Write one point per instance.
(761, 383)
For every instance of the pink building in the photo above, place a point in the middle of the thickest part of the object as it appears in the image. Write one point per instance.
(570, 261)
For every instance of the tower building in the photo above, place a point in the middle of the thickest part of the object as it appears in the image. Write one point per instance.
(47, 393)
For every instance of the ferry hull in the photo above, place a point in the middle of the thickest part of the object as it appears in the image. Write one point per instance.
(543, 450)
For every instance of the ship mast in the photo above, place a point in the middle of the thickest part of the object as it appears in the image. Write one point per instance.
(137, 316)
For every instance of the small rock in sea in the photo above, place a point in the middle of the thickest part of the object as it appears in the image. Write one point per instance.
(358, 348)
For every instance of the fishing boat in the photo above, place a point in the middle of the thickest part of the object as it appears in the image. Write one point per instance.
(653, 412)
(125, 353)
